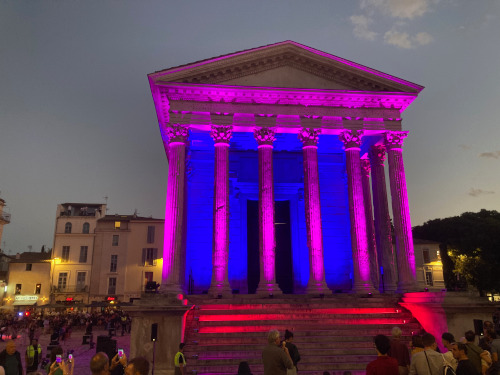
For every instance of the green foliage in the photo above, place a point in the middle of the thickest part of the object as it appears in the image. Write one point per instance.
(471, 245)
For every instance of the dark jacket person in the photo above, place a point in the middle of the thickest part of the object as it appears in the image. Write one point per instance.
(10, 359)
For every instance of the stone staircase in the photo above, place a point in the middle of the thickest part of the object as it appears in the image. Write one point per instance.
(333, 333)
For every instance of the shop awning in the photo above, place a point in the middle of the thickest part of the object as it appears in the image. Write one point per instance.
(24, 303)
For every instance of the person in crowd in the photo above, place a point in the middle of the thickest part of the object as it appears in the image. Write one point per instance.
(447, 339)
(180, 361)
(495, 353)
(486, 361)
(53, 364)
(416, 345)
(293, 351)
(485, 341)
(62, 367)
(275, 355)
(465, 366)
(137, 366)
(99, 364)
(244, 368)
(33, 356)
(383, 365)
(429, 361)
(473, 351)
(400, 351)
(10, 359)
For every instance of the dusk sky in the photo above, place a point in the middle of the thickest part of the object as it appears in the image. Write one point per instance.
(77, 121)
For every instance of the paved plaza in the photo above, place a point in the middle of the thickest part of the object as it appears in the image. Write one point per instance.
(82, 353)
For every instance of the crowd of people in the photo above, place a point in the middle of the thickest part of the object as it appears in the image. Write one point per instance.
(394, 357)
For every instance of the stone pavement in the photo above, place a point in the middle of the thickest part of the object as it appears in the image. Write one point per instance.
(82, 353)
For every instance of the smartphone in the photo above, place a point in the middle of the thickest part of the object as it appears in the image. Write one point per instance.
(70, 357)
(120, 353)
(58, 358)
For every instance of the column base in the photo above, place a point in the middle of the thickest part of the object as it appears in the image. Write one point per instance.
(171, 289)
(407, 287)
(267, 289)
(223, 290)
(363, 288)
(318, 287)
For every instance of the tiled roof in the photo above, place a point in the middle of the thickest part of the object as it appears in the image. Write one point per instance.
(28, 257)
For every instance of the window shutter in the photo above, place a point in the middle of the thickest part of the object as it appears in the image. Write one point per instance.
(155, 253)
(144, 251)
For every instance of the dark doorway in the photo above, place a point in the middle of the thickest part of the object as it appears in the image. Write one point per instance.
(284, 270)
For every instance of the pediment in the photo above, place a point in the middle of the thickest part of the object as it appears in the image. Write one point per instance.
(288, 65)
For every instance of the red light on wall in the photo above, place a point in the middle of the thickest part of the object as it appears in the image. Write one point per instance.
(110, 298)
(180, 297)
(69, 299)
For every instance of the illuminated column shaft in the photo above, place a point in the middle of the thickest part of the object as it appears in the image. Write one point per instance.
(382, 220)
(370, 228)
(401, 212)
(360, 256)
(220, 258)
(309, 139)
(267, 236)
(173, 250)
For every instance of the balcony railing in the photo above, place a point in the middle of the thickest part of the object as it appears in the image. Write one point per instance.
(5, 217)
(70, 289)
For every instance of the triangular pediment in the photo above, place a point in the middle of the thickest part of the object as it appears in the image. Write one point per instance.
(288, 65)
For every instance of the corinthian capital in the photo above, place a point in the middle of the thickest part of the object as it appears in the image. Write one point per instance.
(365, 167)
(394, 139)
(221, 134)
(309, 136)
(351, 138)
(377, 154)
(176, 133)
(264, 136)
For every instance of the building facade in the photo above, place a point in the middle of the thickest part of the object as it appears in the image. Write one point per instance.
(72, 253)
(28, 280)
(127, 255)
(428, 265)
(276, 178)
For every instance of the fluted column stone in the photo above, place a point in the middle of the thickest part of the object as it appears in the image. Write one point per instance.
(370, 227)
(360, 255)
(220, 240)
(309, 139)
(267, 235)
(173, 249)
(401, 211)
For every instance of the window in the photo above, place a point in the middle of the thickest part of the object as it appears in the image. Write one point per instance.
(18, 288)
(29, 266)
(86, 228)
(117, 224)
(148, 276)
(149, 256)
(38, 288)
(67, 228)
(112, 285)
(114, 263)
(62, 281)
(428, 278)
(80, 281)
(427, 258)
(115, 239)
(151, 234)
(83, 254)
(65, 254)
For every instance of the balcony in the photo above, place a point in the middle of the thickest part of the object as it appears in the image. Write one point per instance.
(71, 289)
(4, 217)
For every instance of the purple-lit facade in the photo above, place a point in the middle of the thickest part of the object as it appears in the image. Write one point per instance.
(284, 123)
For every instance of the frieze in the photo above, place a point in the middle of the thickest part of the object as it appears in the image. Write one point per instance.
(351, 138)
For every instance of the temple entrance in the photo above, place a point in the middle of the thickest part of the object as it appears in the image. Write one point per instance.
(284, 270)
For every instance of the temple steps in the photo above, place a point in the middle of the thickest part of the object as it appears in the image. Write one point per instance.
(333, 334)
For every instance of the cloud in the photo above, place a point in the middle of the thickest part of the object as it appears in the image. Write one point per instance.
(405, 9)
(464, 147)
(404, 40)
(494, 154)
(361, 24)
(423, 38)
(477, 192)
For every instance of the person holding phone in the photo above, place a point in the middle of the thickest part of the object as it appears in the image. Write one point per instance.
(53, 368)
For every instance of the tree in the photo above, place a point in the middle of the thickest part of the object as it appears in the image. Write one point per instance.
(470, 246)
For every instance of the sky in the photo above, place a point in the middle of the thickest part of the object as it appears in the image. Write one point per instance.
(77, 121)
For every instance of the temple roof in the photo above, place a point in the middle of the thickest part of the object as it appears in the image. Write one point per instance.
(285, 64)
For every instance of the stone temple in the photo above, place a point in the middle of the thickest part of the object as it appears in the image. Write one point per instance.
(277, 210)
